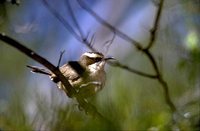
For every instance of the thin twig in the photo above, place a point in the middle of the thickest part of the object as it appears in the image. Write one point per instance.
(67, 25)
(60, 58)
(92, 41)
(62, 20)
(109, 26)
(125, 67)
(153, 31)
(84, 40)
(108, 43)
(67, 3)
(36, 69)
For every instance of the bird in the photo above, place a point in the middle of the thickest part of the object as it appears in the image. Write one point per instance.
(87, 75)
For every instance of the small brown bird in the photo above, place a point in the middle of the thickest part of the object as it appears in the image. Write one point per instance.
(86, 76)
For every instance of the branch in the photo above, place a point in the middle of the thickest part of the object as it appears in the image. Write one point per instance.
(68, 26)
(125, 67)
(109, 26)
(153, 37)
(153, 31)
(161, 81)
(69, 90)
(67, 3)
(62, 20)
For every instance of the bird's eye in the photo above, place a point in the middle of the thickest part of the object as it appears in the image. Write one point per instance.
(97, 59)
(92, 60)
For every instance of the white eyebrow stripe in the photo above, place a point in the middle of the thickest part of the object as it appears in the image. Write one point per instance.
(92, 55)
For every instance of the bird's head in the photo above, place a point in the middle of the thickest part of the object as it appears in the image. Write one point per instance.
(94, 60)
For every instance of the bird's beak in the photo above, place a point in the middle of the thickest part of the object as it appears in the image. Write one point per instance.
(109, 58)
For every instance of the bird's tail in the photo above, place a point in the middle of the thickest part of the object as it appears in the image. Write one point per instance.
(36, 69)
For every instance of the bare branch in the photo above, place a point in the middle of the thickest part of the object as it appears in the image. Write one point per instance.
(67, 3)
(161, 81)
(68, 26)
(153, 31)
(62, 20)
(152, 59)
(60, 58)
(92, 42)
(89, 43)
(36, 69)
(167, 95)
(125, 67)
(108, 43)
(69, 90)
(109, 26)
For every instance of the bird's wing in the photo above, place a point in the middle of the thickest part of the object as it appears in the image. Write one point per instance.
(72, 71)
(69, 72)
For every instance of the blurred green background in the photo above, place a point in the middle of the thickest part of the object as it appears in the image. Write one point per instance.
(130, 102)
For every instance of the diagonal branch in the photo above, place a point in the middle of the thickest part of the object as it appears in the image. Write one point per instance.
(67, 3)
(62, 20)
(149, 55)
(153, 31)
(109, 26)
(160, 79)
(69, 90)
(125, 67)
